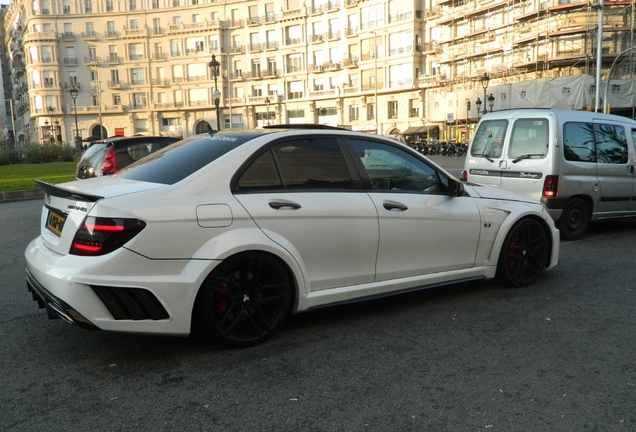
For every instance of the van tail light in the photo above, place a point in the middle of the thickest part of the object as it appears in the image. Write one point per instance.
(110, 163)
(99, 236)
(550, 186)
(464, 175)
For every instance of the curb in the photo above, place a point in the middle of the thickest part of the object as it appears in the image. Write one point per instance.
(21, 195)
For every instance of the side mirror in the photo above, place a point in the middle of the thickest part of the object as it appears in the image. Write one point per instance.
(455, 188)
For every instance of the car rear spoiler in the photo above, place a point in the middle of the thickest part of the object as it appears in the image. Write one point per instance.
(57, 191)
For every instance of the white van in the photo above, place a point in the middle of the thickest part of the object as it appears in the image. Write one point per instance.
(579, 164)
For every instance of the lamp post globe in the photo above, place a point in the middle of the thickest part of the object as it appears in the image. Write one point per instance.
(491, 102)
(484, 80)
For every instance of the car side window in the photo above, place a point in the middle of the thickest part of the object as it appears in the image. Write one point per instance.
(578, 142)
(262, 174)
(611, 144)
(393, 169)
(315, 163)
(312, 163)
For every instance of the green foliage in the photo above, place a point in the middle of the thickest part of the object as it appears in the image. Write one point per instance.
(48, 152)
(8, 155)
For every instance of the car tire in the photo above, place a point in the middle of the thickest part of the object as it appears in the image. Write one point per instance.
(245, 299)
(524, 254)
(574, 219)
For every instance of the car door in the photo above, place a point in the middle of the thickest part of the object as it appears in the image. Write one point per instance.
(303, 195)
(486, 162)
(614, 172)
(527, 157)
(423, 230)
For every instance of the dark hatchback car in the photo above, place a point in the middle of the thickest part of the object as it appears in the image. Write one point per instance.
(105, 157)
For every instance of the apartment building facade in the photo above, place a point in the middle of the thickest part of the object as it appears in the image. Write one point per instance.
(91, 68)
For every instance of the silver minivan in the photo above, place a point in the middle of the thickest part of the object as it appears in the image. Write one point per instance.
(579, 164)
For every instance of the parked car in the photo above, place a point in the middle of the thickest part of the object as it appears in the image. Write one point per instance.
(579, 164)
(105, 157)
(234, 231)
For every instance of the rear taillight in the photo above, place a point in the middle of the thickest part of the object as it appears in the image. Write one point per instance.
(464, 175)
(550, 186)
(110, 163)
(99, 236)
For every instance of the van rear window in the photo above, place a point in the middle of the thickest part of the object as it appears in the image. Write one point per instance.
(489, 138)
(529, 139)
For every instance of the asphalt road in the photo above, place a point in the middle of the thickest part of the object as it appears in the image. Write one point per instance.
(559, 356)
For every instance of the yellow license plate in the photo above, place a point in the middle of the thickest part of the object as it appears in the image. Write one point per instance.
(55, 222)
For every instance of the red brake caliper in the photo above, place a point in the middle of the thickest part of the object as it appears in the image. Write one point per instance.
(221, 304)
(511, 260)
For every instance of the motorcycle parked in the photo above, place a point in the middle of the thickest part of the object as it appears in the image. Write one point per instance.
(462, 148)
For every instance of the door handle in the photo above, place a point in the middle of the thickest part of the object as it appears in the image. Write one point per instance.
(276, 205)
(393, 206)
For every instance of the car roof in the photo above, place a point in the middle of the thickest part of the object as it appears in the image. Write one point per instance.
(134, 138)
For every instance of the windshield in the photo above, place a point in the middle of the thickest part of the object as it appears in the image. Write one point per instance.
(177, 161)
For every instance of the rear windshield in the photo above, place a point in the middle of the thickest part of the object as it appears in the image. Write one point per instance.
(93, 156)
(179, 160)
(489, 138)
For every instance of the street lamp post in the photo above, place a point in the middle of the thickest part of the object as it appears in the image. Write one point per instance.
(484, 80)
(76, 136)
(491, 102)
(50, 111)
(216, 96)
(478, 105)
(57, 135)
(267, 108)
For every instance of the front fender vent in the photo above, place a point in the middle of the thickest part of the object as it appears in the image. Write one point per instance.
(131, 303)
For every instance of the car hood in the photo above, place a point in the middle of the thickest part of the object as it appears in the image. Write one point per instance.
(494, 192)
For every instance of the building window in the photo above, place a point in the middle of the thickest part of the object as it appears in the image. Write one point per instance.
(171, 122)
(370, 111)
(354, 112)
(139, 100)
(294, 63)
(414, 109)
(135, 51)
(116, 99)
(392, 109)
(138, 76)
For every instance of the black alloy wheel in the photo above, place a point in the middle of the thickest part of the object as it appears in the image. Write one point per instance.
(574, 219)
(524, 254)
(245, 299)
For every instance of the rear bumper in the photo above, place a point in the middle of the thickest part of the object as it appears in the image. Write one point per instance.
(55, 307)
(121, 291)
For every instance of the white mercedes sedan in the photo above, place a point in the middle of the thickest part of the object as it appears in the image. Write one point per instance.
(231, 232)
